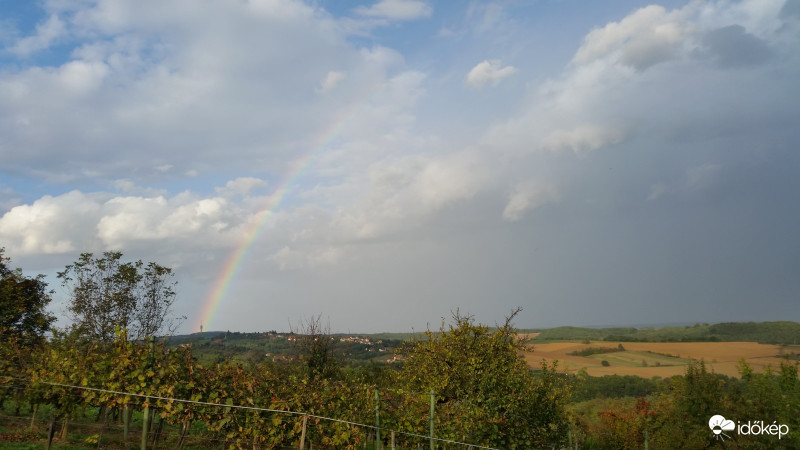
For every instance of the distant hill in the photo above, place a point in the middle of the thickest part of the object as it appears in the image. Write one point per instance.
(353, 349)
(782, 332)
(215, 346)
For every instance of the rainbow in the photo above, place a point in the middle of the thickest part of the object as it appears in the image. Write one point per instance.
(234, 261)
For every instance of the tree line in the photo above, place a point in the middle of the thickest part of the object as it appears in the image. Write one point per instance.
(779, 332)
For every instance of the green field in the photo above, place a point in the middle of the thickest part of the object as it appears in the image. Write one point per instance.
(640, 359)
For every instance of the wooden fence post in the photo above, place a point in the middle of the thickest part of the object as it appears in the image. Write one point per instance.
(33, 416)
(377, 421)
(51, 433)
(125, 422)
(303, 434)
(433, 400)
(145, 420)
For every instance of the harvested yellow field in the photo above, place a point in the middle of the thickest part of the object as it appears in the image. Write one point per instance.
(528, 336)
(662, 359)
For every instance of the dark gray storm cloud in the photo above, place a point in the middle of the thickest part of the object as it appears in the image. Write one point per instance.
(732, 46)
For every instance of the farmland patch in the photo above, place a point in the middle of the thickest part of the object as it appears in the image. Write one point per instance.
(663, 359)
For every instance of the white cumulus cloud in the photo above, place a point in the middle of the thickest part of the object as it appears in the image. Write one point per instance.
(396, 10)
(76, 221)
(51, 224)
(644, 37)
(488, 72)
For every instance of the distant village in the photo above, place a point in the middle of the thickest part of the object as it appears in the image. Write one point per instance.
(278, 347)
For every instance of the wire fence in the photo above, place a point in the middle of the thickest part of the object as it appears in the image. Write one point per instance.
(207, 439)
(110, 435)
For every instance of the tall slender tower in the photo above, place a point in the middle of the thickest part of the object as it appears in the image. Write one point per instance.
(201, 326)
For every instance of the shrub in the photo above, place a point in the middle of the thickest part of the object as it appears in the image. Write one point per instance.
(589, 351)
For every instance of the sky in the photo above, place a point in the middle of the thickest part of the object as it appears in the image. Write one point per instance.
(384, 163)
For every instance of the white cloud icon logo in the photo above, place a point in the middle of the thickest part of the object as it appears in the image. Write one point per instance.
(718, 424)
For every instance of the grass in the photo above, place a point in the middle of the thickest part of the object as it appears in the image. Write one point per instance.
(641, 359)
(31, 446)
(613, 359)
(83, 431)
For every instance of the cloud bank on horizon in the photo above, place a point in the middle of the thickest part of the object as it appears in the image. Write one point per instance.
(399, 159)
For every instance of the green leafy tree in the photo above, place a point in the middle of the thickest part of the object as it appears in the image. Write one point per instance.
(771, 396)
(23, 303)
(484, 390)
(107, 293)
(23, 324)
